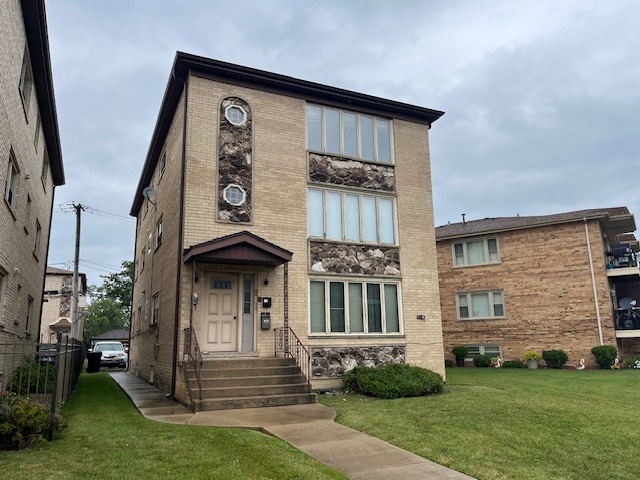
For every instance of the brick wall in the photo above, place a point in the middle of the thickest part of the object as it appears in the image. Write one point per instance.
(548, 294)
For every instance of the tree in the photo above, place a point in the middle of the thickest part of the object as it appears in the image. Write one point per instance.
(110, 306)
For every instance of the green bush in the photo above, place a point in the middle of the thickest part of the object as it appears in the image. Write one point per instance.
(605, 355)
(393, 380)
(23, 422)
(632, 362)
(555, 358)
(513, 364)
(460, 351)
(32, 377)
(481, 361)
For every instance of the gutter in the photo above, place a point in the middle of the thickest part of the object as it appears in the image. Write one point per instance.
(593, 281)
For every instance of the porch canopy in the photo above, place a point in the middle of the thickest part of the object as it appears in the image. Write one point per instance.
(242, 248)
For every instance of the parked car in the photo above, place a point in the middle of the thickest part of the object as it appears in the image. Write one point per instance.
(113, 354)
(47, 353)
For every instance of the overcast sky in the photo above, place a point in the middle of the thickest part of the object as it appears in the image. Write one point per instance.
(542, 98)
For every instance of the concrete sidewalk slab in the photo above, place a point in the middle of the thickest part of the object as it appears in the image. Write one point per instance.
(310, 428)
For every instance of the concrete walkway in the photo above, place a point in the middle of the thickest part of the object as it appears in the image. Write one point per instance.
(310, 428)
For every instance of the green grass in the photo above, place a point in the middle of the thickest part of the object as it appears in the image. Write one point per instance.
(107, 438)
(514, 424)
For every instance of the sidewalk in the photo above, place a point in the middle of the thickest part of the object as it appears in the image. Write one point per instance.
(310, 428)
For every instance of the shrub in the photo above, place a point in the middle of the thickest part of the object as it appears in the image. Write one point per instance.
(460, 351)
(481, 361)
(605, 355)
(532, 355)
(513, 364)
(448, 363)
(32, 377)
(393, 380)
(555, 358)
(23, 422)
(632, 362)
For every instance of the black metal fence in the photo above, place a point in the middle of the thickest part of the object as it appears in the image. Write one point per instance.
(43, 372)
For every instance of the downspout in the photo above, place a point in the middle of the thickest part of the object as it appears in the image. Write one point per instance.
(593, 280)
(176, 328)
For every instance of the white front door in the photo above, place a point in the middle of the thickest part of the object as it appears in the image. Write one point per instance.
(221, 315)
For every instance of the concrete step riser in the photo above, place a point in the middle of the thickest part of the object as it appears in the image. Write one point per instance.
(215, 393)
(242, 372)
(248, 381)
(254, 402)
(248, 362)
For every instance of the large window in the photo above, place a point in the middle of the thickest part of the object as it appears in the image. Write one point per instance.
(354, 307)
(479, 305)
(350, 134)
(351, 217)
(12, 181)
(26, 81)
(476, 252)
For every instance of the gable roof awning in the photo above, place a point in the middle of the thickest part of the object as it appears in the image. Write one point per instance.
(242, 248)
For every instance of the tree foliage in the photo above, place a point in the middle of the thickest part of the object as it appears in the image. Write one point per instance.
(110, 306)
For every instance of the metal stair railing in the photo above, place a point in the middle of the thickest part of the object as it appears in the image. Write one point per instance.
(288, 344)
(192, 350)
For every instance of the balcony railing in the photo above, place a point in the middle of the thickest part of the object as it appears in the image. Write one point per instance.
(628, 319)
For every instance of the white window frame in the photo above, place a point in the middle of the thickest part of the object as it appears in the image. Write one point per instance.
(233, 122)
(163, 162)
(343, 213)
(26, 84)
(469, 296)
(234, 185)
(11, 185)
(38, 239)
(482, 350)
(365, 314)
(159, 227)
(465, 255)
(375, 120)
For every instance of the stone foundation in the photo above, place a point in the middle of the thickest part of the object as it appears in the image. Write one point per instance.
(333, 362)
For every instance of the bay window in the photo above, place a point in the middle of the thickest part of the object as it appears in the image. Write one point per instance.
(354, 307)
(339, 132)
(354, 217)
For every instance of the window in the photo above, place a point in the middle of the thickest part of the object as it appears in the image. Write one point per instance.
(142, 257)
(12, 181)
(44, 174)
(27, 219)
(474, 305)
(476, 252)
(36, 135)
(26, 81)
(350, 134)
(163, 162)
(149, 242)
(3, 281)
(146, 306)
(488, 350)
(36, 246)
(16, 320)
(351, 217)
(139, 317)
(234, 194)
(354, 307)
(159, 233)
(29, 312)
(235, 114)
(156, 308)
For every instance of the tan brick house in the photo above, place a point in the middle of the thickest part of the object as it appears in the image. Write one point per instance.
(508, 285)
(30, 166)
(269, 205)
(56, 310)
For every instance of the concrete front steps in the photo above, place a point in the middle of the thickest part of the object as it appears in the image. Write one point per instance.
(231, 383)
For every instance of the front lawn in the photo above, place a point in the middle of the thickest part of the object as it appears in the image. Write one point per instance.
(513, 423)
(107, 438)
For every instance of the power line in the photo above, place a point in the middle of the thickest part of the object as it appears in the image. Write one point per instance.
(69, 208)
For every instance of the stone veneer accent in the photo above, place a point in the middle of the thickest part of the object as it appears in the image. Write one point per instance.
(66, 292)
(362, 259)
(235, 162)
(351, 173)
(334, 362)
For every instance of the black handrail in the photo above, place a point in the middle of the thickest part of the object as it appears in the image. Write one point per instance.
(192, 350)
(288, 343)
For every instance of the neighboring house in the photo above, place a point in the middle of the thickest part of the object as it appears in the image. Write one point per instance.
(30, 166)
(267, 201)
(56, 310)
(508, 285)
(118, 335)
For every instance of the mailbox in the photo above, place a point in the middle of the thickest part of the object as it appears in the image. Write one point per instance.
(265, 320)
(266, 302)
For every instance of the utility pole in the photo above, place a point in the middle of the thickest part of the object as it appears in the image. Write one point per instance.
(74, 299)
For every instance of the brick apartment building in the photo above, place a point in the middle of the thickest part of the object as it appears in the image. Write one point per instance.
(56, 310)
(267, 201)
(30, 166)
(508, 285)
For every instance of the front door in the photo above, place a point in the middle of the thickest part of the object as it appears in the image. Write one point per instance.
(221, 315)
